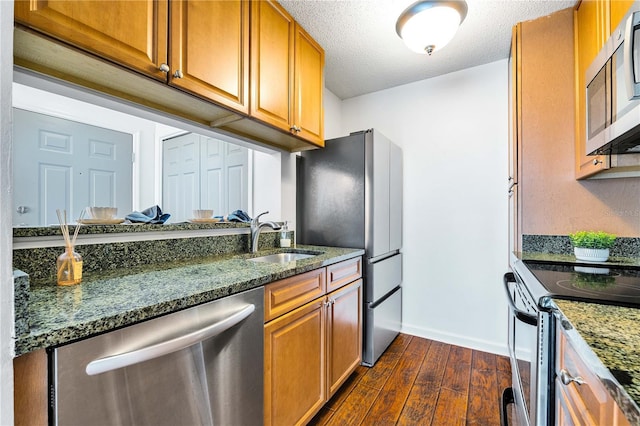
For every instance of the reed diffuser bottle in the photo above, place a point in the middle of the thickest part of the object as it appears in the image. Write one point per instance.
(69, 267)
(69, 263)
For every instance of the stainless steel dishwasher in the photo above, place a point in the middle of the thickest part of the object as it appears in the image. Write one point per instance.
(200, 366)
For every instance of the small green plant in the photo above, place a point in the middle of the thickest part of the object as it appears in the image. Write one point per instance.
(592, 239)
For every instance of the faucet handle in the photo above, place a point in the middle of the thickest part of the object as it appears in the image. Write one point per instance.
(256, 219)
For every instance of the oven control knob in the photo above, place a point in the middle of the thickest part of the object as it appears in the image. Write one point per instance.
(566, 378)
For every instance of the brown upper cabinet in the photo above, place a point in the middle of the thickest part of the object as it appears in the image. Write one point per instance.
(286, 73)
(200, 47)
(210, 50)
(593, 22)
(133, 34)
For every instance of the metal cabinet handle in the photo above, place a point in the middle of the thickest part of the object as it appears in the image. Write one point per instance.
(596, 161)
(178, 74)
(566, 378)
(164, 68)
(525, 317)
(295, 129)
(156, 350)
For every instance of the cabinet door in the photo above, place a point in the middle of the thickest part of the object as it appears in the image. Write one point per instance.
(210, 50)
(272, 44)
(294, 366)
(344, 334)
(515, 134)
(130, 33)
(590, 35)
(308, 111)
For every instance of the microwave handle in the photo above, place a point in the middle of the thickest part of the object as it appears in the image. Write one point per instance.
(633, 88)
(523, 316)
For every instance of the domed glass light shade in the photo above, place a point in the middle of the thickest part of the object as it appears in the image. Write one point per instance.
(427, 26)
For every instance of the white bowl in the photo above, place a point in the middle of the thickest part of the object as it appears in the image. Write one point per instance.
(202, 214)
(103, 213)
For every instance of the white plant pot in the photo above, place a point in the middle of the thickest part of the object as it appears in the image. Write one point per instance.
(591, 255)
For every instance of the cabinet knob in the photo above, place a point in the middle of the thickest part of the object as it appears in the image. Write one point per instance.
(596, 161)
(566, 378)
(178, 74)
(295, 128)
(164, 68)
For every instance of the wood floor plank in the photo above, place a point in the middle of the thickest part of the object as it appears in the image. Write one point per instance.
(377, 377)
(451, 408)
(458, 370)
(337, 399)
(387, 407)
(450, 386)
(483, 361)
(323, 417)
(503, 363)
(434, 364)
(420, 405)
(484, 398)
(355, 407)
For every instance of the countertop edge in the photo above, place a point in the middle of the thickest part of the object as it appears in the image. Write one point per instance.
(40, 338)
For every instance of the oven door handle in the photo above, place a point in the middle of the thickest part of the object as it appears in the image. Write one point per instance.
(523, 316)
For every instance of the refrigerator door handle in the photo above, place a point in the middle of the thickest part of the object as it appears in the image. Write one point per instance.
(373, 260)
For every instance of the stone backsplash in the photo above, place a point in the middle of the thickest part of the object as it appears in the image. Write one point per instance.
(560, 244)
(40, 263)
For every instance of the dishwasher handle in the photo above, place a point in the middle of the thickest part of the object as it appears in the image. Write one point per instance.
(523, 316)
(156, 350)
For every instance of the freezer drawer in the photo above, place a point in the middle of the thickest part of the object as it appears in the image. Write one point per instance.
(382, 325)
(382, 277)
(202, 365)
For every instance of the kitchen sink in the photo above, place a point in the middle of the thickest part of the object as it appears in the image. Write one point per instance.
(285, 257)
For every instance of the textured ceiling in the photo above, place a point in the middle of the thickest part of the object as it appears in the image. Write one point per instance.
(364, 54)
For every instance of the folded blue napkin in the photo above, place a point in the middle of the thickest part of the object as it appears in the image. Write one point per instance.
(151, 215)
(236, 216)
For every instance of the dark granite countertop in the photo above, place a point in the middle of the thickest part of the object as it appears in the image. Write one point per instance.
(607, 336)
(613, 334)
(106, 301)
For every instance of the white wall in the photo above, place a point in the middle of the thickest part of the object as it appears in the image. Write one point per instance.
(332, 115)
(453, 131)
(6, 204)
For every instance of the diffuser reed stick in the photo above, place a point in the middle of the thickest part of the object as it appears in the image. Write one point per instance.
(69, 263)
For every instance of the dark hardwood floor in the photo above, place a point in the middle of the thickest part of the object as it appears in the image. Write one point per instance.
(422, 382)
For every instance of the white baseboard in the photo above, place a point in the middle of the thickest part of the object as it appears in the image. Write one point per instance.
(498, 348)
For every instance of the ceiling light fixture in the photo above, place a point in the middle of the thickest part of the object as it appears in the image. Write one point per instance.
(428, 25)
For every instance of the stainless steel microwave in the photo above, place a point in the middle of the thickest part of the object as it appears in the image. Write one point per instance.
(613, 91)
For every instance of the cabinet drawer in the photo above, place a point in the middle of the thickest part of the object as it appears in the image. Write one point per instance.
(343, 273)
(591, 401)
(285, 295)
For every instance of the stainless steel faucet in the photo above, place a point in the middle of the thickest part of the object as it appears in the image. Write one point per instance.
(256, 226)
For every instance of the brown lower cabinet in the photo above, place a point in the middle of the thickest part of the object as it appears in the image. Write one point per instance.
(310, 351)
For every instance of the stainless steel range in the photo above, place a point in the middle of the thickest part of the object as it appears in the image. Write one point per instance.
(530, 289)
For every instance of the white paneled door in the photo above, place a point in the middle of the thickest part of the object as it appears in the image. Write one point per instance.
(203, 173)
(63, 164)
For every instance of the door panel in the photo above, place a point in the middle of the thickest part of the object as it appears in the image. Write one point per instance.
(395, 197)
(204, 35)
(379, 196)
(382, 277)
(308, 112)
(382, 325)
(97, 26)
(272, 44)
(68, 165)
(181, 176)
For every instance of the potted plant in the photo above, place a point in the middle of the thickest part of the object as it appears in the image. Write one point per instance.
(592, 246)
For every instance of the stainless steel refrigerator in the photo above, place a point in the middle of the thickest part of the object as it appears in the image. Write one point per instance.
(350, 195)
